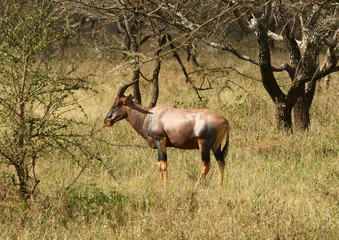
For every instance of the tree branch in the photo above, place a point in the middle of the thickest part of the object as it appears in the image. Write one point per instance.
(290, 41)
(176, 55)
(246, 26)
(331, 60)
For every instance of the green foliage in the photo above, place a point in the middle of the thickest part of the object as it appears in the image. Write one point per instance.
(91, 201)
(35, 96)
(27, 29)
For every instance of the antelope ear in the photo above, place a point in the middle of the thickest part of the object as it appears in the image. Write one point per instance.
(128, 98)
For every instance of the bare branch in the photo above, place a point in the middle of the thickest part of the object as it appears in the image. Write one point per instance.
(222, 69)
(332, 42)
(11, 160)
(326, 72)
(316, 13)
(290, 41)
(144, 77)
(267, 12)
(246, 26)
(176, 55)
(274, 36)
(331, 60)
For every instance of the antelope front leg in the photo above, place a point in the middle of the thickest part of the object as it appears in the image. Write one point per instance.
(162, 166)
(162, 161)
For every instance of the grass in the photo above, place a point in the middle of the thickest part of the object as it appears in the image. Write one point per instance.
(276, 186)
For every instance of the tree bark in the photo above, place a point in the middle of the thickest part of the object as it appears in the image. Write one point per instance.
(23, 178)
(136, 87)
(156, 72)
(284, 117)
(155, 83)
(21, 169)
(192, 54)
(284, 112)
(136, 73)
(130, 43)
(308, 68)
(302, 107)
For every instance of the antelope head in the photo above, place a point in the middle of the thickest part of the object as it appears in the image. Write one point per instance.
(118, 111)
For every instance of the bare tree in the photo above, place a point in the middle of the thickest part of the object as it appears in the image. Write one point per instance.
(318, 23)
(305, 28)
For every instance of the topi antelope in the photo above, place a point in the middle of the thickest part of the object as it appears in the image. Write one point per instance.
(163, 126)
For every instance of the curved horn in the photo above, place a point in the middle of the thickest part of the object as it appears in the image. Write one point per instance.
(123, 88)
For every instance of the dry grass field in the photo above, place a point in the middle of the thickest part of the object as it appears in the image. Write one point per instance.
(276, 186)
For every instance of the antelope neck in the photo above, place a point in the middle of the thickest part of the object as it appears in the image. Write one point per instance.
(137, 116)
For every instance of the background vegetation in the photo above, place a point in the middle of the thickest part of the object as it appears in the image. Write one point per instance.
(277, 185)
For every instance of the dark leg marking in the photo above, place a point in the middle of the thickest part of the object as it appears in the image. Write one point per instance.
(218, 154)
(221, 163)
(205, 153)
(161, 154)
(206, 163)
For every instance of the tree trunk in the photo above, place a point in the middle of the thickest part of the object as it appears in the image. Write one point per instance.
(283, 113)
(155, 79)
(301, 109)
(301, 114)
(192, 54)
(136, 87)
(20, 166)
(23, 178)
(129, 32)
(284, 118)
(136, 74)
(155, 84)
(308, 68)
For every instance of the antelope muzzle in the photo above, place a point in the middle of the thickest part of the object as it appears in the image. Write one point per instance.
(109, 118)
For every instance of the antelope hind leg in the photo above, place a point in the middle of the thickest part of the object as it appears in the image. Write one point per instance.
(221, 163)
(206, 166)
